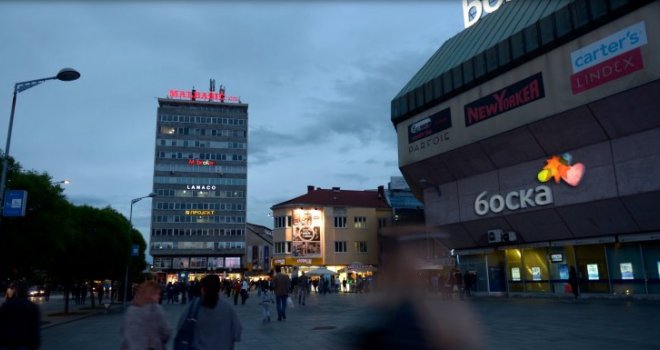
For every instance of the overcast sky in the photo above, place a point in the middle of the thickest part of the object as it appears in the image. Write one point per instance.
(318, 76)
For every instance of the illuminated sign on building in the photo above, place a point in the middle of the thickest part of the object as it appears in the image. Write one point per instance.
(511, 97)
(514, 200)
(474, 9)
(201, 162)
(200, 187)
(306, 233)
(196, 95)
(430, 125)
(608, 59)
(200, 212)
(560, 168)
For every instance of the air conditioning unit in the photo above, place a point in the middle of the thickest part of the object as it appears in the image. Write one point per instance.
(509, 236)
(494, 236)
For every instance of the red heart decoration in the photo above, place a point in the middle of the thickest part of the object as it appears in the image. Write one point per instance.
(574, 174)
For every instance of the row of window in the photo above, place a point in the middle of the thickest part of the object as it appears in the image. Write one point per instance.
(199, 206)
(198, 119)
(201, 144)
(199, 219)
(169, 192)
(184, 180)
(213, 169)
(197, 245)
(197, 232)
(359, 222)
(203, 156)
(195, 262)
(168, 130)
(340, 247)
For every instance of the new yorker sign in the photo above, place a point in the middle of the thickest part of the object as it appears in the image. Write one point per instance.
(511, 97)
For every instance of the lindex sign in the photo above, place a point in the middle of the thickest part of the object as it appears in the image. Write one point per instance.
(514, 200)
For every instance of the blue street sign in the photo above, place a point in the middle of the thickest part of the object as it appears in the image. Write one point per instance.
(135, 250)
(15, 203)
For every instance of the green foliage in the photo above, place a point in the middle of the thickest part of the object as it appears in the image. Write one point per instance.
(62, 241)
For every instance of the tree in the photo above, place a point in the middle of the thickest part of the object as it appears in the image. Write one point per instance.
(32, 243)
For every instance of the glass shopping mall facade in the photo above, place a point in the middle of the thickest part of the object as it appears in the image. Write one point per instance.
(533, 140)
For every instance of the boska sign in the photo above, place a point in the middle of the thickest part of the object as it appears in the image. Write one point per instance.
(473, 9)
(514, 200)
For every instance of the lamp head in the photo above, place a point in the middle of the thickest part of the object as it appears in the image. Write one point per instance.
(68, 74)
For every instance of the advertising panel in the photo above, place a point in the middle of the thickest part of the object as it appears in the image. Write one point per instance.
(626, 271)
(515, 274)
(592, 272)
(501, 101)
(306, 226)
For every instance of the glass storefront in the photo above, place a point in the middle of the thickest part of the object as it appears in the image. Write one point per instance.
(628, 268)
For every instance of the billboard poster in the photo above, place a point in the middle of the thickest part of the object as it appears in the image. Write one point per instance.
(536, 273)
(515, 273)
(592, 272)
(306, 240)
(563, 272)
(626, 270)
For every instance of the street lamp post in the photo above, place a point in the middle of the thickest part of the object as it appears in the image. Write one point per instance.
(66, 74)
(130, 226)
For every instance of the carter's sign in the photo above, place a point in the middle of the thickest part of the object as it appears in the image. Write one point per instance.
(608, 59)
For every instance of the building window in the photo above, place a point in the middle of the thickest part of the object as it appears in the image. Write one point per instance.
(340, 221)
(340, 246)
(361, 247)
(360, 221)
(382, 222)
(282, 247)
(282, 221)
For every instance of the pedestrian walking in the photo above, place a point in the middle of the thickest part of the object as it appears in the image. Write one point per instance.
(266, 301)
(281, 283)
(573, 281)
(467, 283)
(19, 320)
(303, 289)
(245, 294)
(217, 326)
(458, 283)
(145, 324)
(170, 293)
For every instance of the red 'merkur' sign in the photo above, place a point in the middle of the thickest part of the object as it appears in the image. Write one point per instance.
(201, 162)
(197, 95)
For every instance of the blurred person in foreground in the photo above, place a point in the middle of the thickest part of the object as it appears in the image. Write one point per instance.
(145, 324)
(19, 320)
(218, 326)
(402, 314)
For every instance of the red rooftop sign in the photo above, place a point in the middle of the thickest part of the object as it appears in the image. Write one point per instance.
(197, 95)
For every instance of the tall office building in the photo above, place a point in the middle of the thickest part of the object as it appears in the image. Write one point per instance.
(200, 182)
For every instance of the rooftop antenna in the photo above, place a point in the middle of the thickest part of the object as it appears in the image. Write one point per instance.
(212, 89)
(193, 93)
(222, 93)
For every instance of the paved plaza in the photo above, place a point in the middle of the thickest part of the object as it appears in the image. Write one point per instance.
(339, 321)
